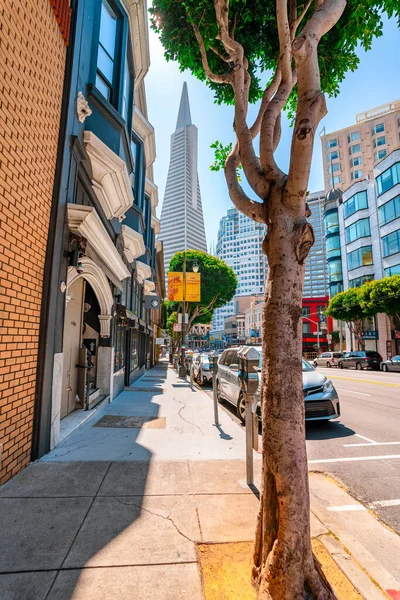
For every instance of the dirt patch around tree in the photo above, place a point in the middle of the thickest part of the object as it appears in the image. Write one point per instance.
(226, 571)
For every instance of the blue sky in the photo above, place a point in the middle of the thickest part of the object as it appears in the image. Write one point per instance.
(375, 82)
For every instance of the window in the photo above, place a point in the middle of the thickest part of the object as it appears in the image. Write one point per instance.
(331, 222)
(395, 270)
(354, 162)
(354, 149)
(119, 350)
(380, 141)
(305, 311)
(106, 51)
(333, 155)
(138, 175)
(357, 202)
(306, 327)
(352, 137)
(334, 168)
(127, 92)
(134, 350)
(356, 174)
(360, 258)
(335, 288)
(380, 154)
(391, 243)
(358, 281)
(378, 128)
(388, 179)
(389, 211)
(335, 270)
(335, 180)
(333, 246)
(332, 143)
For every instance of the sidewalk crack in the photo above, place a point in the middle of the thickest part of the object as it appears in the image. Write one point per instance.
(182, 417)
(167, 518)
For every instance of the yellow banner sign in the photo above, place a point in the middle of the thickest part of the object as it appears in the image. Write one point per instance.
(175, 287)
(192, 287)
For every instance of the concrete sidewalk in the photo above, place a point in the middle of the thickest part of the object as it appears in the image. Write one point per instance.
(117, 509)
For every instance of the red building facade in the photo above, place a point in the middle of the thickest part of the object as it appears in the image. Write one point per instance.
(313, 321)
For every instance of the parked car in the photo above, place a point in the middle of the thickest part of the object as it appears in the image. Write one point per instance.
(320, 397)
(327, 359)
(391, 365)
(360, 360)
(201, 369)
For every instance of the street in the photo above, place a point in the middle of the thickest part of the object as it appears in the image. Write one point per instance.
(361, 449)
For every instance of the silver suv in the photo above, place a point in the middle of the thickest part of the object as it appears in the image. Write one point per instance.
(327, 359)
(320, 397)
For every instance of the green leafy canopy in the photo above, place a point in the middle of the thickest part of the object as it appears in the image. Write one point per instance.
(254, 23)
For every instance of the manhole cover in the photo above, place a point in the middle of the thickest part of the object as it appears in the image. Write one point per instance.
(132, 422)
(149, 389)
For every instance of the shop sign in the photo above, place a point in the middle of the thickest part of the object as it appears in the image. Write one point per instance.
(370, 335)
(152, 301)
(177, 326)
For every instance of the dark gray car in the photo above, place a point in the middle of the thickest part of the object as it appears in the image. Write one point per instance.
(360, 360)
(320, 397)
(392, 364)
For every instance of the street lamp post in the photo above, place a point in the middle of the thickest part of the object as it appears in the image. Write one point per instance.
(195, 267)
(317, 324)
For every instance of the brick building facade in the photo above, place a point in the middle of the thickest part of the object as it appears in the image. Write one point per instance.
(30, 108)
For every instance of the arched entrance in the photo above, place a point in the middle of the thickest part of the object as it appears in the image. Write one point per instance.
(87, 319)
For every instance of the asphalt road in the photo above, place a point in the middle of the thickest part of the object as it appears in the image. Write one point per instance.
(361, 449)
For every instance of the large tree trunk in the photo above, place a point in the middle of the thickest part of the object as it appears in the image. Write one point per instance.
(284, 566)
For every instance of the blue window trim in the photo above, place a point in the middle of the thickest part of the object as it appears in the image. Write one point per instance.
(388, 269)
(397, 232)
(347, 215)
(380, 211)
(360, 265)
(354, 225)
(396, 166)
(361, 280)
(140, 173)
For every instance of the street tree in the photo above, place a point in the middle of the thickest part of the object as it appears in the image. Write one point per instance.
(307, 46)
(382, 296)
(218, 284)
(346, 306)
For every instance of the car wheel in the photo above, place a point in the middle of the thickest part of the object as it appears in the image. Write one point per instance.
(328, 364)
(200, 378)
(385, 368)
(241, 409)
(359, 366)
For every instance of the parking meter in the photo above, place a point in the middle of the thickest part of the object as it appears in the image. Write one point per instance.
(213, 360)
(249, 359)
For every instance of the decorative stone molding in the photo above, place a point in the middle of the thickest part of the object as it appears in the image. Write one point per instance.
(99, 282)
(145, 131)
(152, 190)
(83, 109)
(133, 243)
(138, 21)
(143, 271)
(85, 221)
(110, 177)
(155, 223)
(149, 286)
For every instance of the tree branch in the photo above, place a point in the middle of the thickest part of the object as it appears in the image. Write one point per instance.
(254, 210)
(311, 104)
(225, 57)
(226, 78)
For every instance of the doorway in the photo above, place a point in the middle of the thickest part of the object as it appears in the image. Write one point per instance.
(72, 343)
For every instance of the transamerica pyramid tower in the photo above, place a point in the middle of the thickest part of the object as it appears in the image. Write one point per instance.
(182, 223)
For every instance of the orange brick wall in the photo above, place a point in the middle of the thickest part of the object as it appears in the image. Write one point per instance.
(32, 60)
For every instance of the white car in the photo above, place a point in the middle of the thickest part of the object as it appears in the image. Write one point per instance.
(320, 397)
(201, 369)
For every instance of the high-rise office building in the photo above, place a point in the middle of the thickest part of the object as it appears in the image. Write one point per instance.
(363, 237)
(182, 222)
(351, 154)
(316, 283)
(239, 245)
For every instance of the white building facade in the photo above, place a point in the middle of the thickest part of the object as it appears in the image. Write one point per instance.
(369, 226)
(239, 245)
(182, 222)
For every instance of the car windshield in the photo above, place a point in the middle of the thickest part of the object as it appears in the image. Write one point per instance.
(305, 366)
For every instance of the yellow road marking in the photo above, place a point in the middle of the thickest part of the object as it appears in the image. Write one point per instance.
(365, 381)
